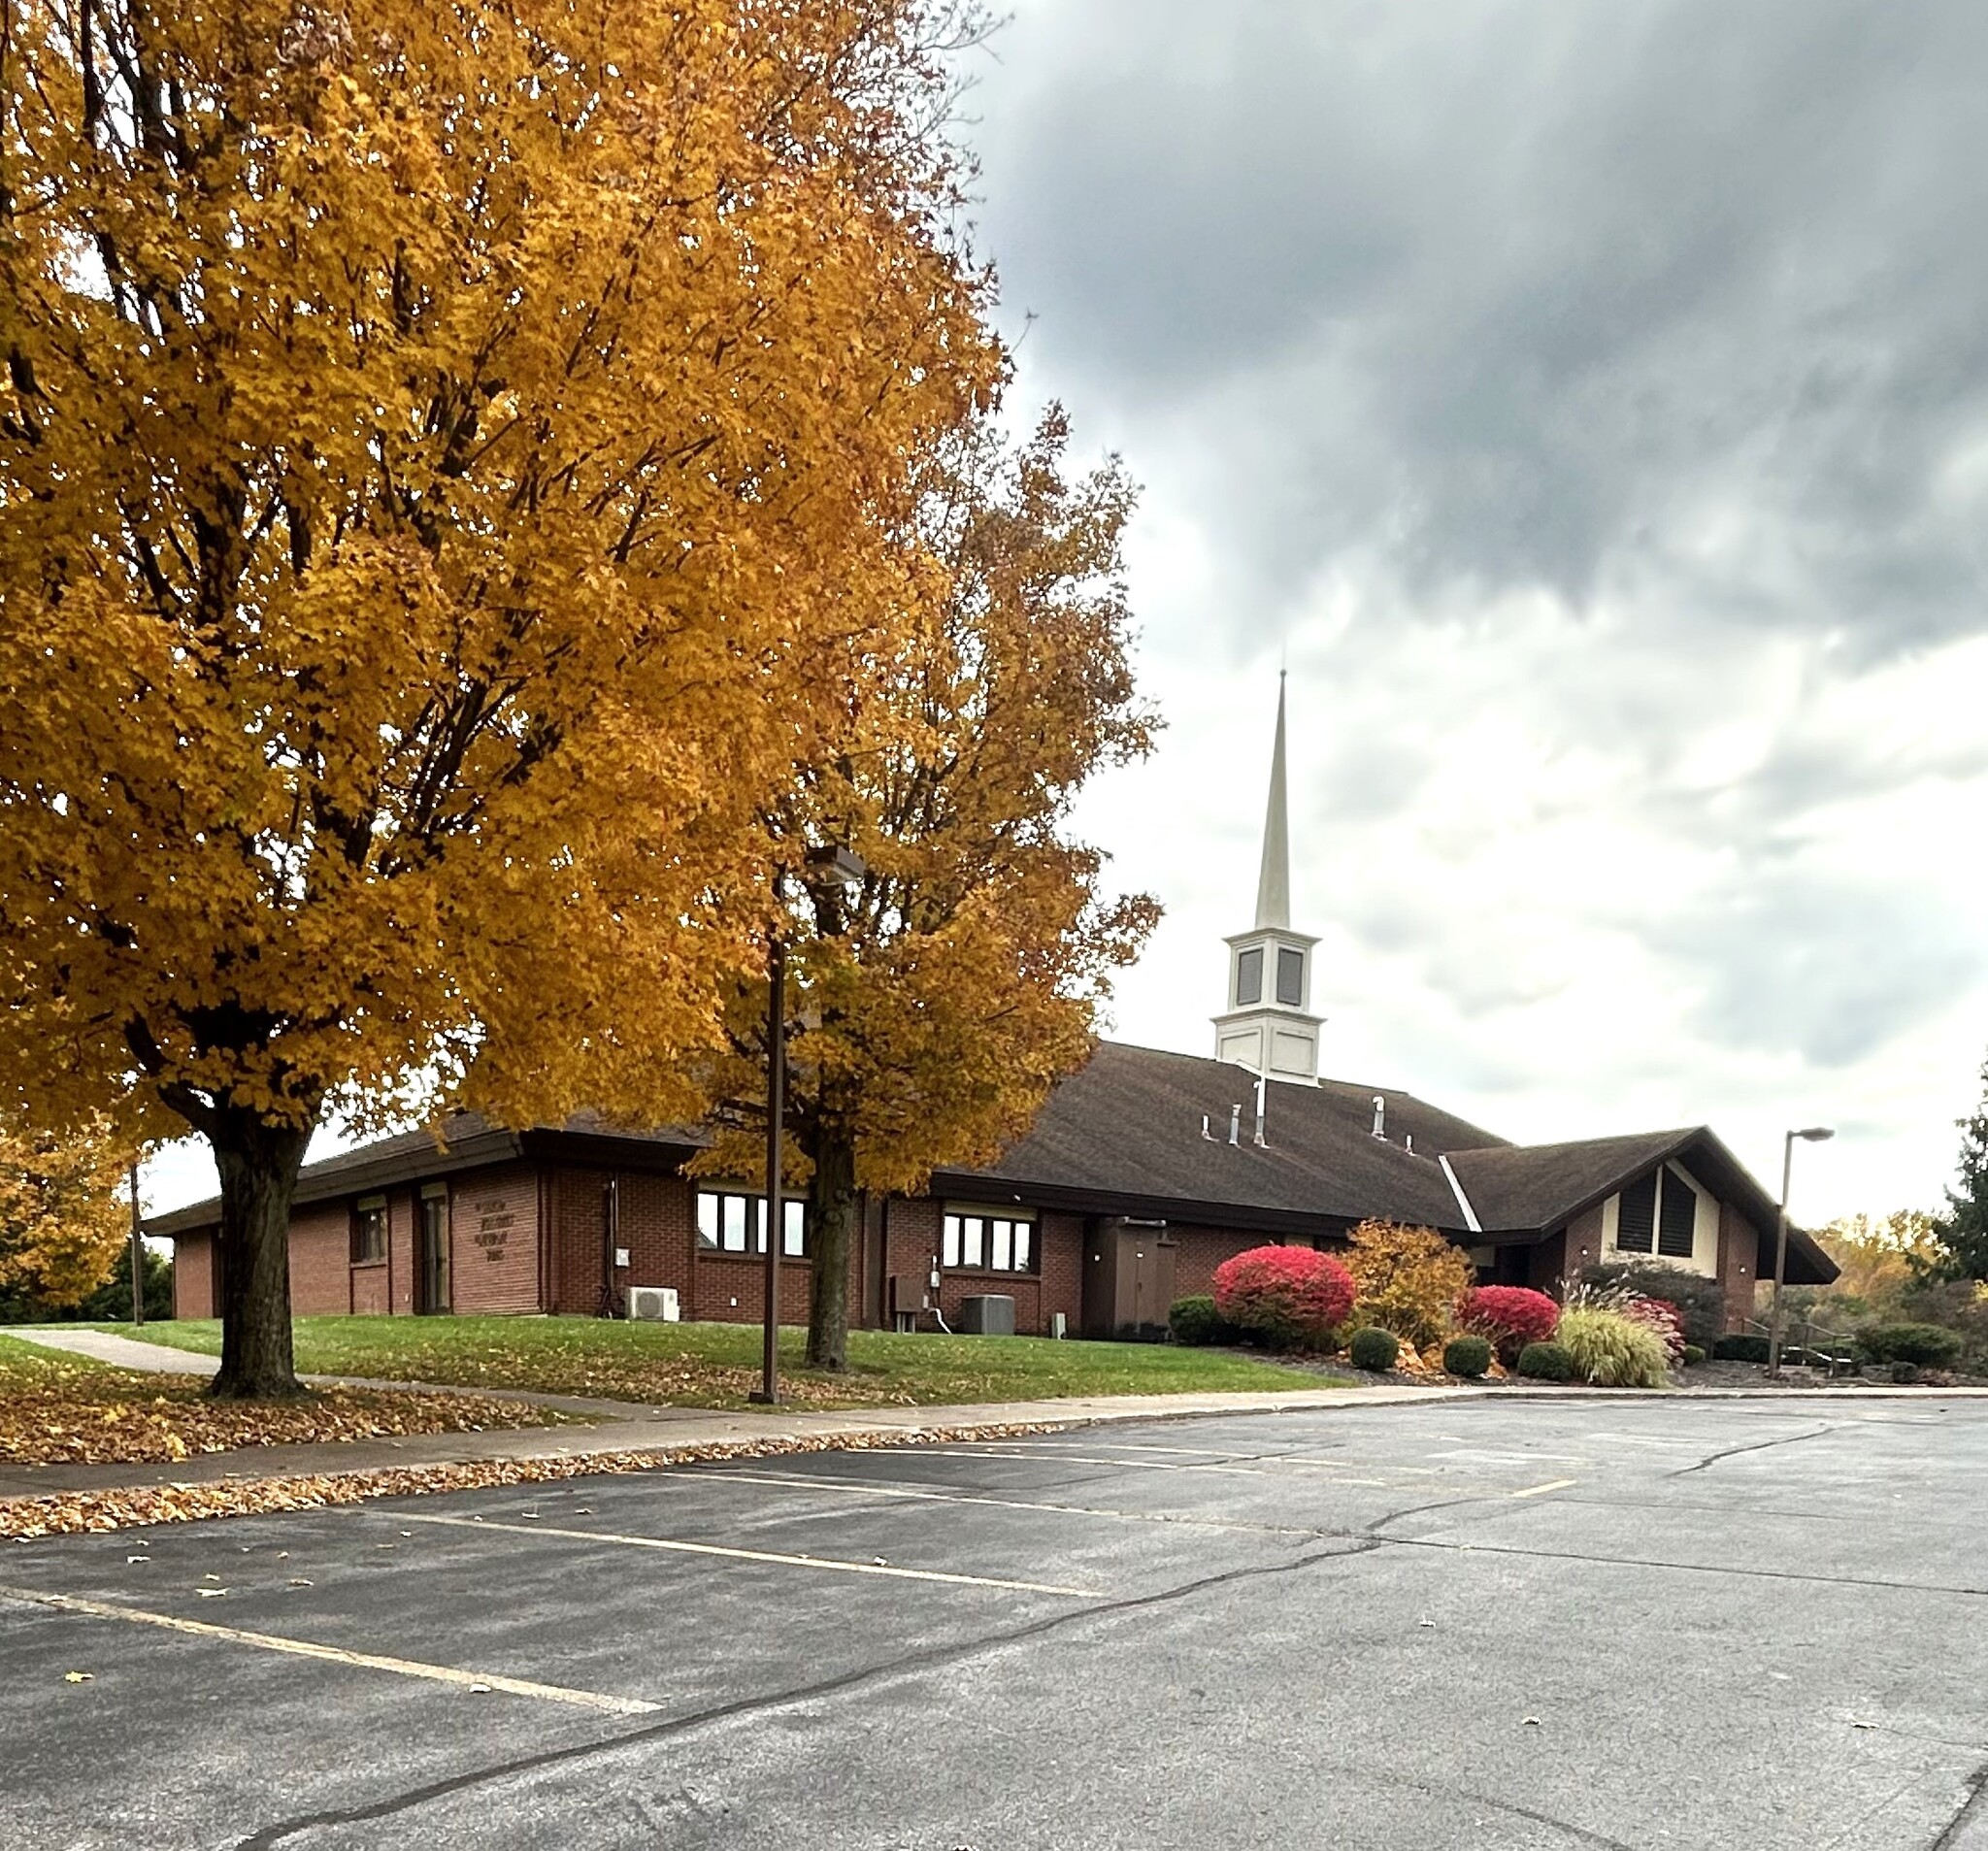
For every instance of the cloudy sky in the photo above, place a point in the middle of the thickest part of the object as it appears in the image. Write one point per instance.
(1588, 400)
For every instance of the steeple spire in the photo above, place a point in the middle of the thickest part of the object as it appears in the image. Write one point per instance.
(1274, 881)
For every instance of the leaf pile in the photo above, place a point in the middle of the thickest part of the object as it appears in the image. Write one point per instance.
(110, 1417)
(140, 1506)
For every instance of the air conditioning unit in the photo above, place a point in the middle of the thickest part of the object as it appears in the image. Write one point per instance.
(653, 1304)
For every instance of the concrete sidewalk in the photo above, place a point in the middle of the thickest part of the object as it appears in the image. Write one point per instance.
(121, 1352)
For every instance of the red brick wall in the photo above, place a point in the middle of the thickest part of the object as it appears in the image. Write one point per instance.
(494, 1240)
(193, 1275)
(1739, 1254)
(324, 1281)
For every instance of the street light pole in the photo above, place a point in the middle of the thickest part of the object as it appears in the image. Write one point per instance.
(769, 1389)
(830, 867)
(136, 1250)
(1814, 1134)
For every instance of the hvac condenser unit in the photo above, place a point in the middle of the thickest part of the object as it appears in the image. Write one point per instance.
(655, 1304)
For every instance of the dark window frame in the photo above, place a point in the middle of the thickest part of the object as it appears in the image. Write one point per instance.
(797, 1240)
(369, 1218)
(1024, 1241)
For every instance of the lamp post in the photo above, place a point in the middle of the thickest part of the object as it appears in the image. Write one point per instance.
(136, 1250)
(826, 867)
(1814, 1134)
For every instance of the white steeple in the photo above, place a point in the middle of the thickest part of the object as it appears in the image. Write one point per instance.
(1267, 1026)
(1274, 879)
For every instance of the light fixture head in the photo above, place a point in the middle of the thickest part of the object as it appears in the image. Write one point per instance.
(1816, 1134)
(833, 863)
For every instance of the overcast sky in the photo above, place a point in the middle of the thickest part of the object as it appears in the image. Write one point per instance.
(1588, 399)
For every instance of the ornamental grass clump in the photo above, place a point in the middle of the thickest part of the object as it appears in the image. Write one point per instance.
(1610, 1348)
(1289, 1297)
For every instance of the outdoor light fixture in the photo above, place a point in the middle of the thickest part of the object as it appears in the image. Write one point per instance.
(1814, 1134)
(831, 866)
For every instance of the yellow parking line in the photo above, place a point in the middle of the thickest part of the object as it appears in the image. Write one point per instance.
(1534, 1491)
(337, 1654)
(832, 1563)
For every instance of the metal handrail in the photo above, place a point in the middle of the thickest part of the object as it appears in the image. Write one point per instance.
(1838, 1346)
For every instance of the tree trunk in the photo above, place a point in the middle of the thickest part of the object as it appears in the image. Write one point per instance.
(832, 1197)
(258, 1164)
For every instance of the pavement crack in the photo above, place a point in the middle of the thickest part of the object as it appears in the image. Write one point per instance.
(1974, 1811)
(1759, 1445)
(912, 1661)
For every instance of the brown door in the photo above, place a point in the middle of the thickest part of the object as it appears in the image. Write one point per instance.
(1100, 1279)
(431, 1255)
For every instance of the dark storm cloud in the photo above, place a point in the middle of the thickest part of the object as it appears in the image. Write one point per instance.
(1680, 301)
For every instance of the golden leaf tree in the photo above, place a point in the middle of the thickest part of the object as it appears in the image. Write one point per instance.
(63, 1222)
(433, 438)
(1407, 1279)
(934, 1007)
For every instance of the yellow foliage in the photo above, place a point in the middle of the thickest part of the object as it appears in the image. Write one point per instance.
(1408, 1279)
(936, 1006)
(440, 446)
(63, 1224)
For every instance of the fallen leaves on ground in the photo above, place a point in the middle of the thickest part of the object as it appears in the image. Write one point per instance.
(107, 1417)
(140, 1506)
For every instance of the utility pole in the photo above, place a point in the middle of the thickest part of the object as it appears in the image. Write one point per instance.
(136, 1250)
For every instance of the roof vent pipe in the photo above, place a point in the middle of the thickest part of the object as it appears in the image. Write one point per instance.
(1409, 1143)
(1205, 1132)
(1380, 1116)
(1260, 1085)
(1236, 1124)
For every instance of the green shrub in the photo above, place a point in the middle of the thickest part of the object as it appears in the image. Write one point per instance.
(1700, 1301)
(1196, 1321)
(1467, 1356)
(1925, 1344)
(1373, 1349)
(1613, 1349)
(1904, 1372)
(1739, 1348)
(1693, 1356)
(1545, 1362)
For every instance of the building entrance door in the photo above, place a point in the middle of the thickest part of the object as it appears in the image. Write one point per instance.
(431, 1254)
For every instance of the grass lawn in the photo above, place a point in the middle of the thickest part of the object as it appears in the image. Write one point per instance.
(715, 1364)
(62, 1410)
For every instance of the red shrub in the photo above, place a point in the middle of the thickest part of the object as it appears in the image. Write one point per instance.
(1511, 1316)
(1663, 1317)
(1288, 1295)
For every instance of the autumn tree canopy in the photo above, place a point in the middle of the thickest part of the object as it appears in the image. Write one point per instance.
(437, 443)
(933, 1008)
(64, 1224)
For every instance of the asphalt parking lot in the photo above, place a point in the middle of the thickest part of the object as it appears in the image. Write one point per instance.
(1525, 1626)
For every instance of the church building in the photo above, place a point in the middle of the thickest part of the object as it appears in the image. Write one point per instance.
(1142, 1173)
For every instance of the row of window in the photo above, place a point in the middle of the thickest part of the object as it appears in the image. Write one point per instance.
(1658, 1214)
(731, 1221)
(1290, 976)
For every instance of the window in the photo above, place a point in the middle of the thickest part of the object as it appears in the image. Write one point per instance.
(1250, 974)
(731, 1222)
(1290, 977)
(1658, 1215)
(1677, 1219)
(368, 1231)
(988, 1240)
(1636, 1219)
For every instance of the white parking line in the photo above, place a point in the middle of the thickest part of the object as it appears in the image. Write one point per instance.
(831, 1563)
(924, 1495)
(337, 1654)
(1534, 1491)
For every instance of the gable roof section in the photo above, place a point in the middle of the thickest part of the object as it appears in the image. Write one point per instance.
(1537, 1188)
